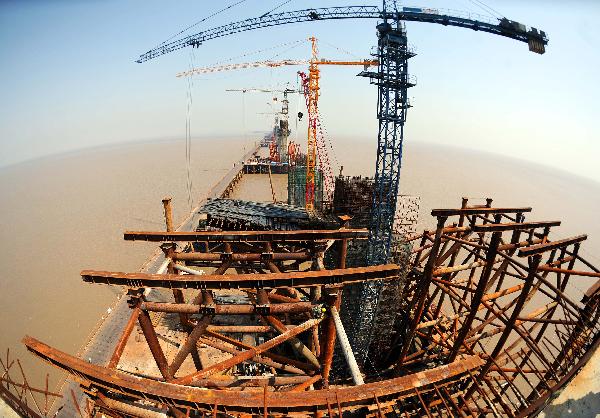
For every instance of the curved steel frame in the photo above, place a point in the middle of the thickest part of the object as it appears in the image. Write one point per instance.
(490, 299)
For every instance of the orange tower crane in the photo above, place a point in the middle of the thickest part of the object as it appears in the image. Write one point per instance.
(315, 138)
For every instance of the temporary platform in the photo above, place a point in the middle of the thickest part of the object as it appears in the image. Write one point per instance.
(231, 214)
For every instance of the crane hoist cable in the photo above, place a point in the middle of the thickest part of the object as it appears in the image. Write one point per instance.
(275, 8)
(258, 51)
(188, 134)
(297, 113)
(339, 49)
(487, 8)
(201, 21)
(328, 141)
(271, 183)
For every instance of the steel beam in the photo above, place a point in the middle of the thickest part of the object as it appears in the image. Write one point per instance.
(104, 379)
(196, 256)
(246, 236)
(229, 309)
(478, 294)
(513, 226)
(477, 211)
(154, 345)
(118, 351)
(243, 281)
(542, 248)
(190, 344)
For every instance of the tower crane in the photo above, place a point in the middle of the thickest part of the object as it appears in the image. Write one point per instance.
(315, 138)
(240, 65)
(393, 81)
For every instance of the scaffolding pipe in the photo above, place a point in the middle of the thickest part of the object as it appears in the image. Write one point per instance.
(188, 270)
(346, 348)
(164, 266)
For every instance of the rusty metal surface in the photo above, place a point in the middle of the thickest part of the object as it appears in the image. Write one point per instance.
(242, 281)
(478, 211)
(105, 379)
(246, 236)
(512, 226)
(500, 288)
(198, 256)
(230, 309)
(25, 400)
(540, 248)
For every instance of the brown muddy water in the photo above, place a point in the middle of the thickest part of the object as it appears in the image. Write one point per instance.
(62, 214)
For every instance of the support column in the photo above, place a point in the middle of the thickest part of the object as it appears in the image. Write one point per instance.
(347, 348)
(189, 346)
(118, 352)
(329, 336)
(153, 344)
(534, 263)
(168, 211)
(478, 295)
(169, 250)
(421, 292)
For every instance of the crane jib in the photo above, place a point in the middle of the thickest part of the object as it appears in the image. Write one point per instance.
(504, 27)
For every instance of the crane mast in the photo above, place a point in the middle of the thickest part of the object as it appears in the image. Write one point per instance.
(311, 150)
(317, 150)
(393, 81)
(315, 129)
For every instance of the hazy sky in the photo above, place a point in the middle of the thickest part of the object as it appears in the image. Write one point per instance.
(68, 79)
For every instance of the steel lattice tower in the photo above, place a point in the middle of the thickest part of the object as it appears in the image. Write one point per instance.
(393, 81)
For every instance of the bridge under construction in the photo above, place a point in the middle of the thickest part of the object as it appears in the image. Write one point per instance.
(332, 303)
(481, 316)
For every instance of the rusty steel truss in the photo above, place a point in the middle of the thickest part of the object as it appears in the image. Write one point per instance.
(25, 399)
(490, 321)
